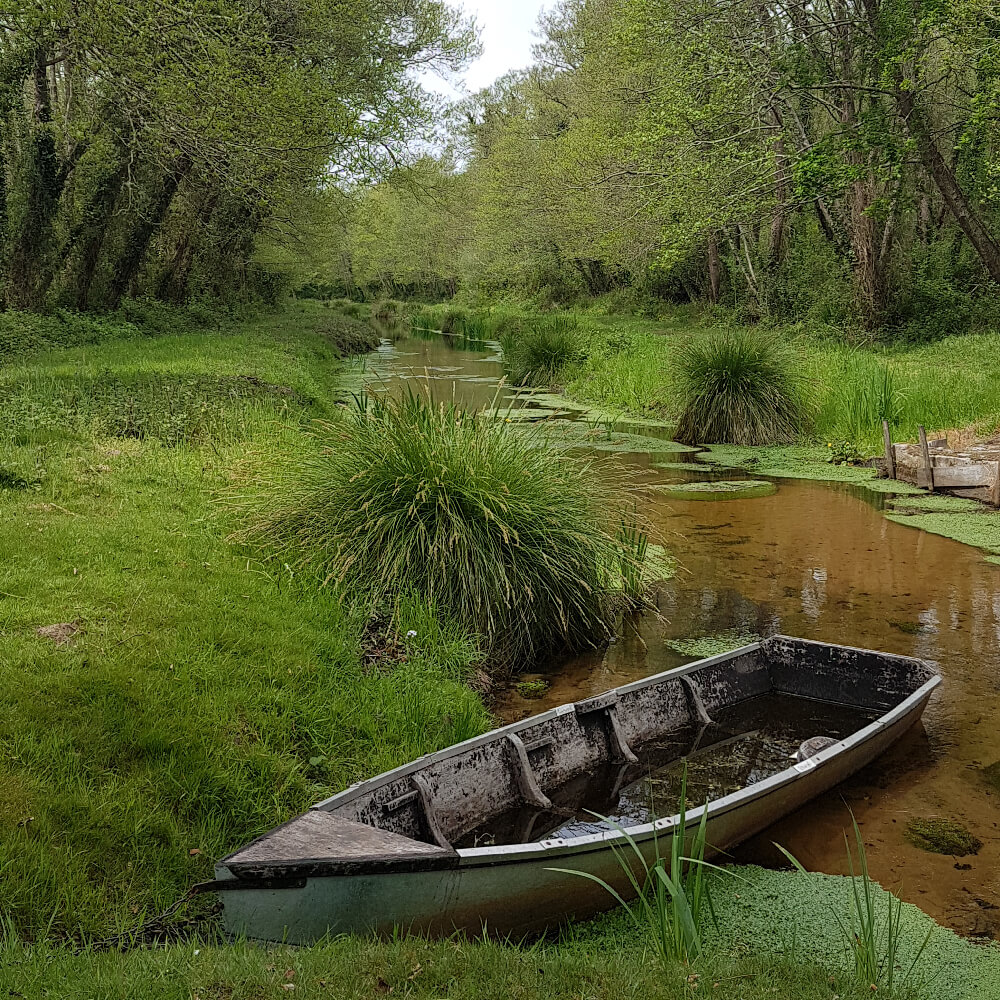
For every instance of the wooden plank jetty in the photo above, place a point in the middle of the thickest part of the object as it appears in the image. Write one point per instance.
(973, 473)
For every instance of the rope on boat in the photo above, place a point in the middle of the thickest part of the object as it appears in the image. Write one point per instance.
(149, 929)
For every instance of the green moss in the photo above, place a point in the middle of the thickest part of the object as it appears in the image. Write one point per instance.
(932, 503)
(980, 528)
(942, 836)
(533, 688)
(576, 433)
(794, 461)
(910, 628)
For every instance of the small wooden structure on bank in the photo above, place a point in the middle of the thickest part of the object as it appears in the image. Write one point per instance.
(973, 473)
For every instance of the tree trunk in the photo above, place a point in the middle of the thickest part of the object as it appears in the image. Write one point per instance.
(776, 250)
(132, 257)
(3, 227)
(92, 232)
(714, 269)
(947, 183)
(173, 282)
(869, 273)
(31, 248)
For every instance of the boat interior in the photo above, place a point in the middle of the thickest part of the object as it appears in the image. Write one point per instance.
(720, 724)
(733, 720)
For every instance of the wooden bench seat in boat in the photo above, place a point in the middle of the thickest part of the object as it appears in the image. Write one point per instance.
(318, 843)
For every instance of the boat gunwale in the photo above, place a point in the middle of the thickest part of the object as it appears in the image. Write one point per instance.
(619, 836)
(468, 857)
(359, 788)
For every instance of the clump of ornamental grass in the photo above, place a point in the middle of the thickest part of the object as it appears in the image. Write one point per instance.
(513, 540)
(388, 310)
(536, 352)
(739, 387)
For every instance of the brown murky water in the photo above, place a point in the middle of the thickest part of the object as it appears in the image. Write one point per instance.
(816, 560)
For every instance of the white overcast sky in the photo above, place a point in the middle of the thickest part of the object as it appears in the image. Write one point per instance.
(507, 32)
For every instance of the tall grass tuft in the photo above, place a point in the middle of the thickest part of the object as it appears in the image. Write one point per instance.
(872, 931)
(512, 539)
(864, 392)
(738, 387)
(536, 352)
(388, 310)
(673, 903)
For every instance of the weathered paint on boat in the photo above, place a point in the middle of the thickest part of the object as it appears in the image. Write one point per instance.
(377, 856)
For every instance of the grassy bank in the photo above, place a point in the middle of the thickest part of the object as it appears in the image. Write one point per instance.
(165, 695)
(777, 939)
(191, 697)
(626, 365)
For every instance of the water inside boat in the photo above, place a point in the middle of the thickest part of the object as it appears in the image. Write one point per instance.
(744, 744)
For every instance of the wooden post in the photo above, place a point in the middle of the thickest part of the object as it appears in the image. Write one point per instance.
(925, 450)
(995, 493)
(890, 456)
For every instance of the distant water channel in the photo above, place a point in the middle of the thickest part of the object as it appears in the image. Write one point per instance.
(816, 560)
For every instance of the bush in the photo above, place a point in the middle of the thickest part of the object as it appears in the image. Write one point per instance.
(348, 335)
(738, 387)
(513, 540)
(536, 353)
(388, 310)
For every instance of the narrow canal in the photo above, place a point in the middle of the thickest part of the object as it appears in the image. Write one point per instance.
(816, 560)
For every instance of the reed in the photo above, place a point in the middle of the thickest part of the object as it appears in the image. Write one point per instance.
(872, 931)
(673, 903)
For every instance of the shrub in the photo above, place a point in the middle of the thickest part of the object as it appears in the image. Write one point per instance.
(388, 310)
(738, 387)
(536, 353)
(512, 539)
(348, 335)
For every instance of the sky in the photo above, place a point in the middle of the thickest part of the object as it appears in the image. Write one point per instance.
(507, 35)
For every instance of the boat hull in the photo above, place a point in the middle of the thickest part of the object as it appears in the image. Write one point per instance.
(524, 889)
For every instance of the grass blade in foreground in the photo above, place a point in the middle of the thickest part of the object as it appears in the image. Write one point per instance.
(673, 902)
(872, 933)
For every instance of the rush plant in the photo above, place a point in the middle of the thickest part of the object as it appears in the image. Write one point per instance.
(738, 387)
(673, 902)
(872, 930)
(513, 539)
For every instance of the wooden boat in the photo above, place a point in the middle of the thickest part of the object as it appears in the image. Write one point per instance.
(471, 837)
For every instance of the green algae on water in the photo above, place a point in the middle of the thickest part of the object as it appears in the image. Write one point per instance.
(942, 836)
(721, 489)
(712, 645)
(532, 688)
(578, 434)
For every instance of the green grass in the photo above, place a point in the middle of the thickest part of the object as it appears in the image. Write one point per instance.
(204, 698)
(874, 934)
(396, 495)
(775, 940)
(950, 383)
(536, 353)
(672, 902)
